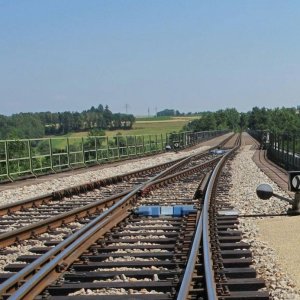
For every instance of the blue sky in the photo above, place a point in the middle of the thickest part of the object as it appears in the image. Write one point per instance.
(190, 55)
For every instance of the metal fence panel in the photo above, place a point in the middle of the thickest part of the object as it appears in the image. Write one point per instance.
(34, 157)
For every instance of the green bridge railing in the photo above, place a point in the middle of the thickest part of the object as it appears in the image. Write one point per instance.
(34, 157)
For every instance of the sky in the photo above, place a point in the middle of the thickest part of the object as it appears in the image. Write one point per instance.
(195, 55)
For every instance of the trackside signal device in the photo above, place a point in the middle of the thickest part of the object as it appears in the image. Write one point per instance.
(265, 191)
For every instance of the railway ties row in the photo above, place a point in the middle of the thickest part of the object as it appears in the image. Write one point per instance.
(139, 236)
(231, 257)
(137, 248)
(143, 259)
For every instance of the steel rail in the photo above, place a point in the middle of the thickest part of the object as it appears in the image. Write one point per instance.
(190, 266)
(40, 227)
(48, 257)
(98, 183)
(67, 248)
(186, 159)
(180, 174)
(201, 224)
(27, 203)
(30, 269)
(207, 253)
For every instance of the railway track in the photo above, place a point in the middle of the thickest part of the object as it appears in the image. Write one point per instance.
(71, 204)
(162, 240)
(52, 230)
(102, 188)
(159, 182)
(273, 171)
(226, 258)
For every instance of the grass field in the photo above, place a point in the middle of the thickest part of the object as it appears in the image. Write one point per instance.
(145, 126)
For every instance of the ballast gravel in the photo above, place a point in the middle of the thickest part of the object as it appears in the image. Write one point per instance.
(113, 291)
(245, 177)
(25, 192)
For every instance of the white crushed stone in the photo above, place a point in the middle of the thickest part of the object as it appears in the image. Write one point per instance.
(137, 243)
(21, 249)
(140, 251)
(142, 237)
(113, 291)
(246, 176)
(130, 258)
(130, 269)
(124, 278)
(22, 193)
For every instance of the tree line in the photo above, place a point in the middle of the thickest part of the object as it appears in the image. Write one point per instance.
(35, 125)
(172, 112)
(276, 120)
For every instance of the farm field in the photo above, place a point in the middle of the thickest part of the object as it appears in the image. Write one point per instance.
(145, 126)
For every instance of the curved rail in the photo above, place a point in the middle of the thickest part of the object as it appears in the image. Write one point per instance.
(202, 233)
(208, 262)
(190, 267)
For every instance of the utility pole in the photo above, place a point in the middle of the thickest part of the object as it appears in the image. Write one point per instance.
(148, 112)
(126, 107)
(155, 111)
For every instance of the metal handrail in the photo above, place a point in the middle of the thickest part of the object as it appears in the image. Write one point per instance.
(58, 157)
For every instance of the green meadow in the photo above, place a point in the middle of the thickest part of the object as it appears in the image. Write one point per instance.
(142, 126)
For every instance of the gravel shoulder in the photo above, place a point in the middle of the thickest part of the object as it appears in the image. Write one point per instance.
(269, 238)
